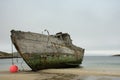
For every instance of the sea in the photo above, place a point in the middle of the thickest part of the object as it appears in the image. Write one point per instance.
(89, 62)
(101, 62)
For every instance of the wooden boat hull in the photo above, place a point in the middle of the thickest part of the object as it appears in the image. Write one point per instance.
(41, 51)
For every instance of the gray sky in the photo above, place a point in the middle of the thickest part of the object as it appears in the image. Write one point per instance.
(92, 24)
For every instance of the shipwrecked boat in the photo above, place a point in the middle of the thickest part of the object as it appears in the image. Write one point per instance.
(42, 51)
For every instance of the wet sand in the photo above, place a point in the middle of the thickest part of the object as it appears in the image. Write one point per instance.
(61, 74)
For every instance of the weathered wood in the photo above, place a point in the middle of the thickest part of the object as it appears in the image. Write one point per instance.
(47, 51)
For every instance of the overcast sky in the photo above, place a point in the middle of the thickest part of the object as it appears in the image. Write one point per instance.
(92, 24)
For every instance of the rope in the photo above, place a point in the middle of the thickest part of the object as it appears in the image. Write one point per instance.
(22, 65)
(12, 53)
(17, 57)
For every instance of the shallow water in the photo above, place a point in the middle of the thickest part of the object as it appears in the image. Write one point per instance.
(101, 62)
(6, 63)
(98, 78)
(89, 62)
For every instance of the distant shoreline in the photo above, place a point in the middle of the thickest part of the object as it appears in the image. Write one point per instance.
(8, 57)
(116, 55)
(5, 55)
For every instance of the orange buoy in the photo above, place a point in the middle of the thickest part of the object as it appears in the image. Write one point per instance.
(13, 69)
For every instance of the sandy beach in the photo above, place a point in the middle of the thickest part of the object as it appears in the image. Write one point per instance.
(61, 74)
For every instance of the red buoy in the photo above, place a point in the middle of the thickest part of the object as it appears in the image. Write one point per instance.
(13, 69)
